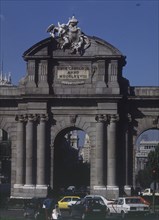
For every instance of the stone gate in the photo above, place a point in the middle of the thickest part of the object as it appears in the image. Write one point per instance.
(75, 81)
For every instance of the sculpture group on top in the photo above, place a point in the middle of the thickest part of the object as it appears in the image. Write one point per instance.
(70, 36)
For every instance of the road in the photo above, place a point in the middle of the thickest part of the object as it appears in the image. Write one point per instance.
(18, 215)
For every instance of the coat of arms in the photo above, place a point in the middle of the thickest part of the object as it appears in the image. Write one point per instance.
(70, 36)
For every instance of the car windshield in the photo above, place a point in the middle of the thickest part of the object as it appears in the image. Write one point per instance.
(95, 201)
(74, 199)
(133, 200)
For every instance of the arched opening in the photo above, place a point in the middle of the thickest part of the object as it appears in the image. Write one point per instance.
(146, 143)
(71, 159)
(5, 157)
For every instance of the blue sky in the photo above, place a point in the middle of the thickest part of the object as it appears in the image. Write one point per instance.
(132, 26)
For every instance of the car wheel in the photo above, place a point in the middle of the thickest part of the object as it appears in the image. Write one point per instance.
(122, 214)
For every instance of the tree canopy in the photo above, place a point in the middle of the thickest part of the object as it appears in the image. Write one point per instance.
(151, 172)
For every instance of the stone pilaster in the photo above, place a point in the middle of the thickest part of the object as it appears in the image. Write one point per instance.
(42, 76)
(31, 73)
(20, 151)
(41, 149)
(112, 188)
(113, 77)
(127, 187)
(100, 84)
(52, 166)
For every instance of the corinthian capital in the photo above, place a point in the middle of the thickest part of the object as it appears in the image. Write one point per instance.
(20, 118)
(113, 118)
(43, 117)
(101, 118)
(31, 117)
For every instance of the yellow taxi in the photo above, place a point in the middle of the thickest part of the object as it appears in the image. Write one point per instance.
(67, 201)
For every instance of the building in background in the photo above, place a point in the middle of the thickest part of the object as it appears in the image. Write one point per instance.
(5, 80)
(73, 139)
(141, 154)
(85, 150)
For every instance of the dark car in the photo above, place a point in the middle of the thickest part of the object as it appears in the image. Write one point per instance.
(89, 208)
(33, 206)
(38, 208)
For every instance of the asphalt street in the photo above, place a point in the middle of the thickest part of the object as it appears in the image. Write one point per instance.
(19, 215)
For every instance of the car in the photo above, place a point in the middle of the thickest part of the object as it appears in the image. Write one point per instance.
(72, 188)
(89, 208)
(67, 201)
(128, 206)
(106, 201)
(36, 207)
(149, 192)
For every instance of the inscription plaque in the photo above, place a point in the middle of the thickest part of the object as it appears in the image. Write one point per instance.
(73, 73)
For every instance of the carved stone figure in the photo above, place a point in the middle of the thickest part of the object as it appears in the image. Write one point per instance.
(70, 36)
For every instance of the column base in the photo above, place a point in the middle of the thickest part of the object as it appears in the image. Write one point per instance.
(112, 192)
(99, 190)
(29, 186)
(18, 185)
(41, 186)
(128, 190)
(29, 191)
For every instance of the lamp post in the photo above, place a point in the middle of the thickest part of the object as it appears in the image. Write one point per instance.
(154, 190)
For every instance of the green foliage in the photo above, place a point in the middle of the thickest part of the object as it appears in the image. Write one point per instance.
(151, 172)
(153, 164)
(144, 178)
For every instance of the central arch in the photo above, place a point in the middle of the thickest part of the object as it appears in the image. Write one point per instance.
(68, 167)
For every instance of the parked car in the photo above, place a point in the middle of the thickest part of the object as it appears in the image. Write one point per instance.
(149, 192)
(67, 201)
(106, 201)
(38, 207)
(89, 208)
(128, 206)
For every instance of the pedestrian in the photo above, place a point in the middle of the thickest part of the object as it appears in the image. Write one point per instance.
(56, 214)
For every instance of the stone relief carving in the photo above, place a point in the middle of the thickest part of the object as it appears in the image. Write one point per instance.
(70, 36)
(73, 119)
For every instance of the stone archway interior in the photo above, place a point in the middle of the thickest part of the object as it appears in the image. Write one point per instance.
(70, 169)
(5, 157)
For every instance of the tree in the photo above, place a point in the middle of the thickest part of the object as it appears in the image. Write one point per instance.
(153, 164)
(151, 172)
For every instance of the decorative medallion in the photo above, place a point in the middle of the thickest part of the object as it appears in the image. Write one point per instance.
(70, 36)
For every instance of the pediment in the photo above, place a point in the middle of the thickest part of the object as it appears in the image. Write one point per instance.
(49, 48)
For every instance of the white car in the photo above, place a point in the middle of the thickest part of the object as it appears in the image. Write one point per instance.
(149, 192)
(128, 206)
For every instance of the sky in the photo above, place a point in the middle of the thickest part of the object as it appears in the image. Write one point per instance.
(132, 26)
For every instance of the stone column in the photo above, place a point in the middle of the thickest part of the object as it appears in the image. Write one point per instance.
(99, 160)
(127, 187)
(111, 158)
(52, 166)
(20, 151)
(41, 149)
(29, 150)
